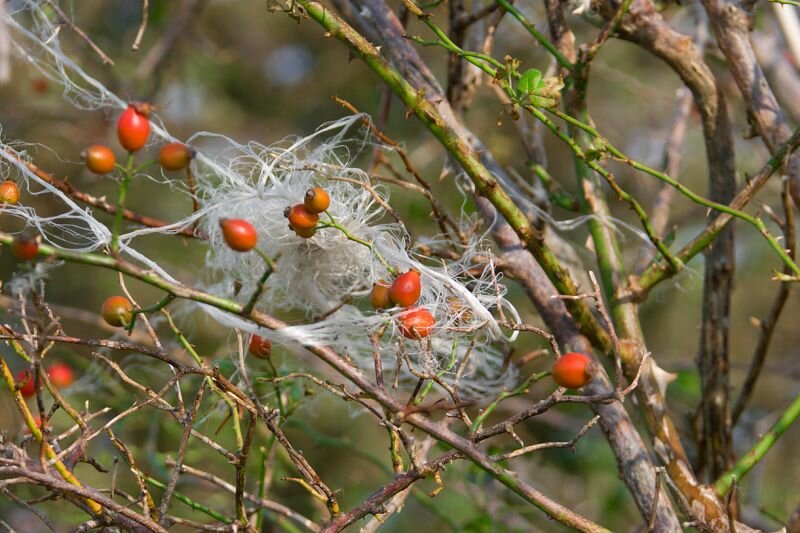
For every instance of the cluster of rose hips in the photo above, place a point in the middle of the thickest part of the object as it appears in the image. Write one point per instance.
(404, 291)
(303, 218)
(60, 374)
(133, 130)
(241, 236)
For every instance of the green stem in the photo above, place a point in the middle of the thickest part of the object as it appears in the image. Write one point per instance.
(251, 303)
(143, 166)
(579, 153)
(522, 389)
(544, 41)
(760, 449)
(165, 301)
(122, 192)
(346, 232)
(191, 503)
(619, 156)
(466, 54)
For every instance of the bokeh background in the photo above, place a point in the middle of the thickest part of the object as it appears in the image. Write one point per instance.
(240, 71)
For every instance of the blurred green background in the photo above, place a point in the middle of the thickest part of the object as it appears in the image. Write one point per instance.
(250, 75)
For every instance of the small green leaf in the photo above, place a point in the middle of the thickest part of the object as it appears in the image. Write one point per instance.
(530, 81)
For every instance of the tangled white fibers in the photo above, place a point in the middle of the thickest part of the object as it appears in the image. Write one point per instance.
(326, 277)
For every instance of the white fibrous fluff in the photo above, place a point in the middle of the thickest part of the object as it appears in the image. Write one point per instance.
(326, 278)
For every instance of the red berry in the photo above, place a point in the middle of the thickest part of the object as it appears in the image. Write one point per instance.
(25, 246)
(239, 234)
(416, 323)
(9, 192)
(260, 347)
(406, 289)
(117, 311)
(379, 296)
(300, 218)
(61, 375)
(175, 156)
(317, 200)
(28, 387)
(133, 127)
(573, 370)
(99, 158)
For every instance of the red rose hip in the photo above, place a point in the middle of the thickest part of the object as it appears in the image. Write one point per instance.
(175, 156)
(406, 289)
(99, 158)
(25, 246)
(9, 192)
(379, 295)
(317, 200)
(416, 323)
(573, 370)
(25, 383)
(133, 127)
(260, 347)
(239, 234)
(300, 218)
(61, 375)
(117, 311)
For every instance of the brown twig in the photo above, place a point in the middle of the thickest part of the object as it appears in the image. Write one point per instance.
(66, 20)
(732, 21)
(187, 422)
(547, 445)
(446, 224)
(125, 517)
(161, 50)
(142, 26)
(264, 503)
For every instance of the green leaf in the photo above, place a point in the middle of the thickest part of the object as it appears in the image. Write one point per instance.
(530, 81)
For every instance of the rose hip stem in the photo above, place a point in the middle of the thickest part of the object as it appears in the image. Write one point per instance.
(333, 224)
(121, 195)
(251, 303)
